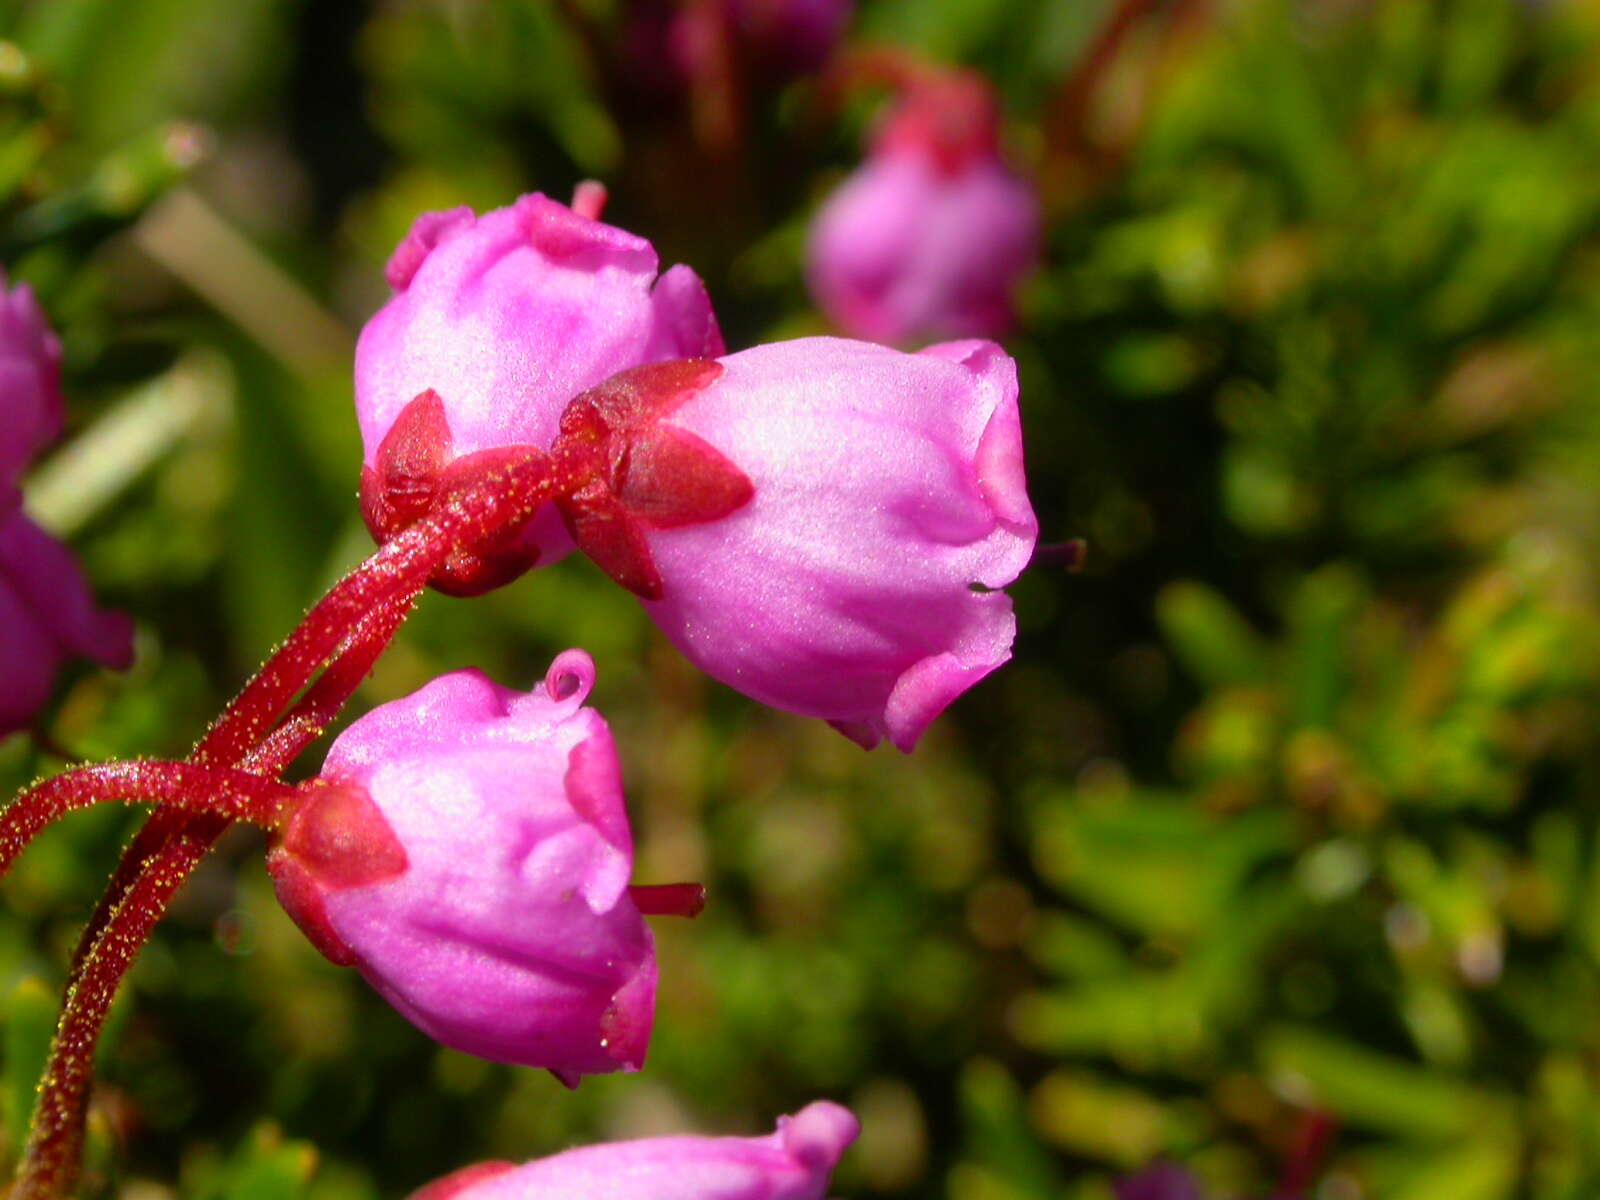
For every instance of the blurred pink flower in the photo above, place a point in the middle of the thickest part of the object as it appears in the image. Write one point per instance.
(30, 382)
(667, 44)
(466, 849)
(883, 501)
(1159, 1181)
(931, 235)
(47, 615)
(506, 317)
(793, 1163)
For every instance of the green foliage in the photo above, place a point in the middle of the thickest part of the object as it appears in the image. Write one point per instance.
(1288, 802)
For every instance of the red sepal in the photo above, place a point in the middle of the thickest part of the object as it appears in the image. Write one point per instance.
(338, 838)
(669, 477)
(604, 530)
(655, 475)
(414, 473)
(457, 1182)
(401, 487)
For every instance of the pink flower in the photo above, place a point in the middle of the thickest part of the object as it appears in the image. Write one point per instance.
(1159, 1181)
(792, 1164)
(47, 615)
(930, 237)
(467, 850)
(792, 36)
(30, 382)
(875, 500)
(506, 317)
(668, 45)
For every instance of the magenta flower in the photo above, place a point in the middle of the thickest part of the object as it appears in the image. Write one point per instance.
(668, 45)
(467, 850)
(1159, 1181)
(930, 237)
(47, 615)
(793, 1163)
(30, 382)
(875, 502)
(506, 317)
(789, 36)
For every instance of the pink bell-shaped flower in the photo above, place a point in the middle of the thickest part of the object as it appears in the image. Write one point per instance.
(793, 1163)
(47, 615)
(30, 382)
(504, 318)
(930, 237)
(467, 850)
(869, 506)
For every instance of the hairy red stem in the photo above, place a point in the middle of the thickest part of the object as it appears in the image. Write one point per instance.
(195, 787)
(161, 857)
(346, 623)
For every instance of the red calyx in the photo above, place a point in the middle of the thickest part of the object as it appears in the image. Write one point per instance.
(414, 473)
(654, 475)
(457, 1182)
(338, 838)
(951, 117)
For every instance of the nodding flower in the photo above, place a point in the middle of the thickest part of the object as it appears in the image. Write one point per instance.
(466, 849)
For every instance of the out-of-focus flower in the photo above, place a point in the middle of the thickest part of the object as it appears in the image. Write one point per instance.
(931, 235)
(875, 501)
(792, 1164)
(506, 317)
(467, 850)
(1159, 1181)
(47, 615)
(670, 43)
(30, 382)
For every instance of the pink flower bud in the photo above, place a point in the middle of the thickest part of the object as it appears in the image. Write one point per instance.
(467, 850)
(930, 237)
(47, 615)
(30, 382)
(792, 1164)
(506, 317)
(873, 501)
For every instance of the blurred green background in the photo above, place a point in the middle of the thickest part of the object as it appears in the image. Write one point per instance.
(1286, 805)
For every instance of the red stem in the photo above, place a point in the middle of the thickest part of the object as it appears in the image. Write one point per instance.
(196, 787)
(355, 621)
(299, 729)
(495, 502)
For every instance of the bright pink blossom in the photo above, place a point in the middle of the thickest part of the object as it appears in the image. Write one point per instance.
(467, 850)
(30, 382)
(507, 316)
(874, 500)
(47, 615)
(793, 1163)
(930, 237)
